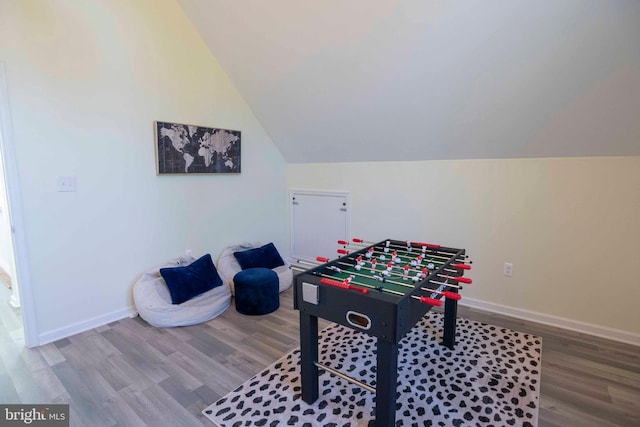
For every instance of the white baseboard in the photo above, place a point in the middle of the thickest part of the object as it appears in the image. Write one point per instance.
(546, 319)
(560, 322)
(94, 322)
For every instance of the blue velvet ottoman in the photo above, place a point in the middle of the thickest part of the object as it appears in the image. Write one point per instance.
(257, 291)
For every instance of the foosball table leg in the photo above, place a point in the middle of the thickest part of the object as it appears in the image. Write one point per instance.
(450, 315)
(386, 384)
(309, 356)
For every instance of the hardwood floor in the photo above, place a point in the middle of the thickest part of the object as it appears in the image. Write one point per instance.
(130, 374)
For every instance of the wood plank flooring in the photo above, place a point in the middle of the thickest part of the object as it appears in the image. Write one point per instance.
(130, 374)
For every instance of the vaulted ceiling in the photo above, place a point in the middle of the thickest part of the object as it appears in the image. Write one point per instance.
(367, 80)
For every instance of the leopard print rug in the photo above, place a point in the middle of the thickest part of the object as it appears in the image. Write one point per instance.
(492, 378)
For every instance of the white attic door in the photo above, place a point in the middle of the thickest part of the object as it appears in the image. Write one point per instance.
(318, 220)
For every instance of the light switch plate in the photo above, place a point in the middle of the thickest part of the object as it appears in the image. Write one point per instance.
(66, 183)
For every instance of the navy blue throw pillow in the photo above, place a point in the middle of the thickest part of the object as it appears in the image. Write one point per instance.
(192, 280)
(266, 256)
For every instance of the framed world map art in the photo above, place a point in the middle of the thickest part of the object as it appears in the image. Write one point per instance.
(188, 149)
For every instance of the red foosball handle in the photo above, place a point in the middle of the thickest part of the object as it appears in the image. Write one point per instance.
(452, 295)
(355, 239)
(343, 251)
(431, 301)
(463, 280)
(428, 245)
(462, 266)
(343, 242)
(322, 259)
(343, 285)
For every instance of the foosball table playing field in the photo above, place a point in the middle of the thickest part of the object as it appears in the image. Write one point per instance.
(382, 289)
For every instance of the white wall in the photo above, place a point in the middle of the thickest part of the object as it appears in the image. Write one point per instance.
(570, 226)
(86, 82)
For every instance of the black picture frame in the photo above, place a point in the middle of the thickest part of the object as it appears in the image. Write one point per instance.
(183, 149)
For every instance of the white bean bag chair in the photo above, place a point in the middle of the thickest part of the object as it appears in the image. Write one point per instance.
(153, 301)
(228, 266)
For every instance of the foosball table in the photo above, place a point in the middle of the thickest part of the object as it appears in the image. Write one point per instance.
(382, 289)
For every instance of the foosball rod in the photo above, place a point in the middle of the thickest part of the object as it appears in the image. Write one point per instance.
(436, 259)
(326, 276)
(420, 247)
(327, 279)
(458, 279)
(383, 256)
(449, 295)
(301, 261)
(460, 266)
(445, 294)
(417, 244)
(434, 256)
(407, 285)
(407, 277)
(330, 280)
(415, 269)
(425, 300)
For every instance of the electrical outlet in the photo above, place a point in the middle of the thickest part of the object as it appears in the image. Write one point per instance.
(508, 269)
